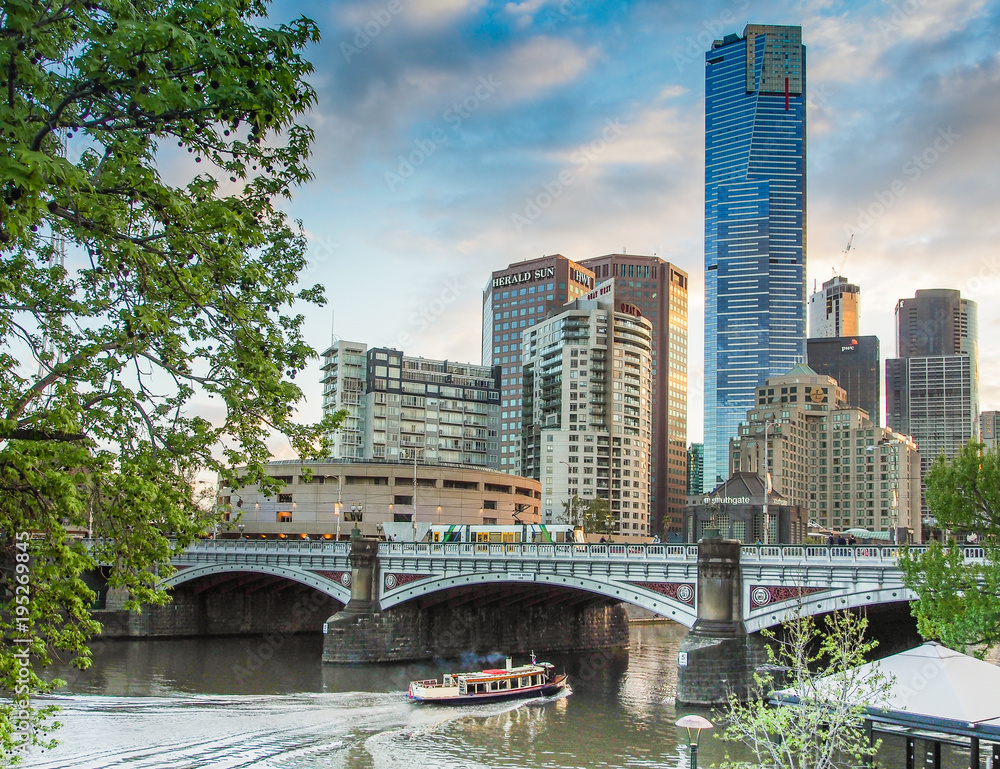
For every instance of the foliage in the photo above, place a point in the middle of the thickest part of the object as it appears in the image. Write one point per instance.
(593, 515)
(130, 285)
(959, 601)
(826, 728)
(574, 510)
(597, 517)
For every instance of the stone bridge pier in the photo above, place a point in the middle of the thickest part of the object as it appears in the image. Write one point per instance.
(480, 618)
(718, 658)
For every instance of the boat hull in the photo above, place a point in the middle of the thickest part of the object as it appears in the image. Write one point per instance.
(545, 690)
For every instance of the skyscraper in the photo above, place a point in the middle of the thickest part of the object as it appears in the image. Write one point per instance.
(660, 291)
(516, 297)
(932, 387)
(755, 213)
(834, 310)
(854, 362)
(696, 469)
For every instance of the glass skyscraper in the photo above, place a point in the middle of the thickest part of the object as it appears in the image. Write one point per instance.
(755, 234)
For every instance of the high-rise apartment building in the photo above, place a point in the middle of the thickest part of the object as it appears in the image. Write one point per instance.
(755, 215)
(344, 370)
(696, 469)
(660, 291)
(407, 408)
(515, 298)
(587, 418)
(835, 309)
(829, 458)
(932, 386)
(854, 362)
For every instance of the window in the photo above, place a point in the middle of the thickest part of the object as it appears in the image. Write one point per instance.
(284, 499)
(284, 517)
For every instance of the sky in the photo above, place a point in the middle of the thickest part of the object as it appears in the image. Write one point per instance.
(444, 129)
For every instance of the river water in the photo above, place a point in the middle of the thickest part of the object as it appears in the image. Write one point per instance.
(270, 703)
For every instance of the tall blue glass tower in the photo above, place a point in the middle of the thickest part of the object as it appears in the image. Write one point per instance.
(755, 224)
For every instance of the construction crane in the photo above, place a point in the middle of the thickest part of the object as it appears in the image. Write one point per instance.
(850, 242)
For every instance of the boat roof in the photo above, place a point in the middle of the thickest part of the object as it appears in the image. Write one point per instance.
(520, 670)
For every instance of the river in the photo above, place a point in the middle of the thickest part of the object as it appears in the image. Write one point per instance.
(270, 703)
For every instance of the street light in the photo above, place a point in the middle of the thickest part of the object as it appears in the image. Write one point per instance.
(697, 723)
(356, 509)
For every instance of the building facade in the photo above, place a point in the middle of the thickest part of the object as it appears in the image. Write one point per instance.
(327, 499)
(696, 468)
(835, 309)
(854, 362)
(932, 386)
(516, 297)
(736, 508)
(755, 224)
(935, 322)
(587, 416)
(660, 291)
(988, 428)
(827, 457)
(408, 408)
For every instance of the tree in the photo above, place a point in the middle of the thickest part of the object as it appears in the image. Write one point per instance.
(597, 517)
(958, 601)
(143, 262)
(819, 669)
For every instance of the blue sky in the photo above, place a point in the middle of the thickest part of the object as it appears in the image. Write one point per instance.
(442, 128)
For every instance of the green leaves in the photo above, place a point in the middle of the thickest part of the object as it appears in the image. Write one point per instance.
(142, 263)
(825, 729)
(959, 599)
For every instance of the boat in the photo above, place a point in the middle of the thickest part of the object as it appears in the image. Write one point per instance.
(539, 679)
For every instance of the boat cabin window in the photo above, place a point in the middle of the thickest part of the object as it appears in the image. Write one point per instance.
(524, 681)
(505, 684)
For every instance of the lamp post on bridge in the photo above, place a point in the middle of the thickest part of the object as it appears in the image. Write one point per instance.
(356, 511)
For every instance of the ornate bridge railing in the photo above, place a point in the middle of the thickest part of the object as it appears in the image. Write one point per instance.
(560, 550)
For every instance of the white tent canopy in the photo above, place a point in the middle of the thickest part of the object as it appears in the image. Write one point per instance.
(933, 688)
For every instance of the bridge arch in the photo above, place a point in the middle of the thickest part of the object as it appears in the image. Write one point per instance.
(397, 589)
(816, 601)
(330, 583)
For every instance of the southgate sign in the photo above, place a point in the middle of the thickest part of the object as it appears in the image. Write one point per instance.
(528, 276)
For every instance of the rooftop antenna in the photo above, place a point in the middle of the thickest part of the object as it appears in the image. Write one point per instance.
(333, 322)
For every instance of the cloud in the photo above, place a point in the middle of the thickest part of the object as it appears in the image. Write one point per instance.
(539, 65)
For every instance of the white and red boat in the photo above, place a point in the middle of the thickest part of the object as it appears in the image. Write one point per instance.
(539, 679)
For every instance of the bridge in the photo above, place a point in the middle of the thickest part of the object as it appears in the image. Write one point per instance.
(776, 579)
(404, 599)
